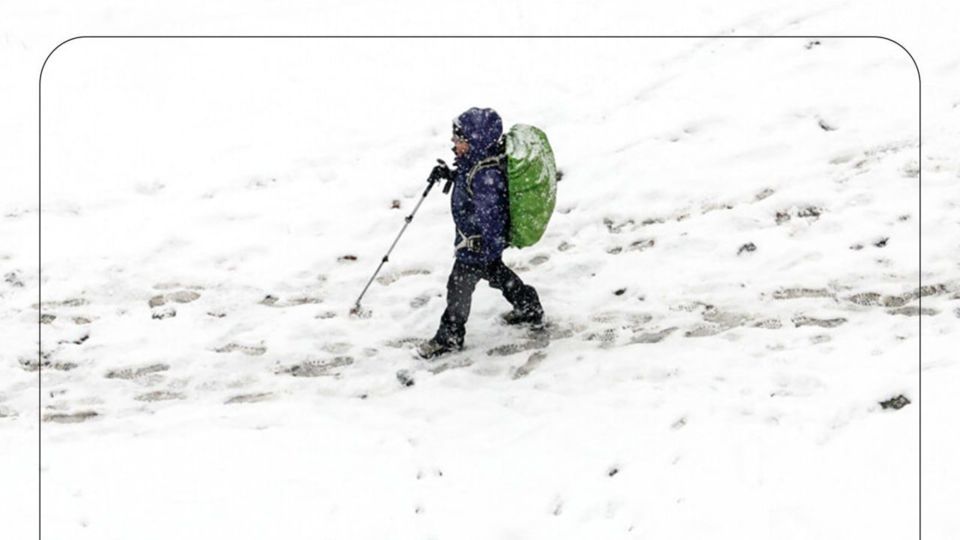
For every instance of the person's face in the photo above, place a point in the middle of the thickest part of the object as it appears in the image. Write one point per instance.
(460, 146)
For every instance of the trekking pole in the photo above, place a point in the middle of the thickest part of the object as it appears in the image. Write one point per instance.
(357, 310)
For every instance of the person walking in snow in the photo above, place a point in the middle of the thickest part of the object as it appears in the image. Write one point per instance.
(479, 205)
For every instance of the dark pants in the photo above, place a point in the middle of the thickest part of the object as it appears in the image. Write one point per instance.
(463, 280)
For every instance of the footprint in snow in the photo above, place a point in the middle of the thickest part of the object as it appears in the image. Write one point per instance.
(160, 313)
(641, 244)
(705, 330)
(160, 395)
(32, 364)
(711, 207)
(606, 316)
(866, 299)
(436, 472)
(182, 297)
(6, 412)
(69, 302)
(80, 340)
(725, 319)
(532, 362)
(393, 277)
(13, 279)
(763, 194)
(607, 337)
(130, 373)
(872, 299)
(910, 169)
(405, 377)
(553, 330)
(912, 311)
(628, 321)
(403, 343)
(810, 213)
(249, 398)
(692, 306)
(421, 301)
(614, 227)
(167, 285)
(316, 368)
(273, 301)
(249, 350)
(338, 347)
(803, 320)
(801, 292)
(825, 125)
(896, 300)
(769, 324)
(70, 418)
(646, 222)
(653, 337)
(512, 348)
(454, 363)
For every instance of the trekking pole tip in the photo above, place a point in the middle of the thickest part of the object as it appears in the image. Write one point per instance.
(358, 311)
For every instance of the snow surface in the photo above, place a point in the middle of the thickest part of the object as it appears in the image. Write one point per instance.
(730, 278)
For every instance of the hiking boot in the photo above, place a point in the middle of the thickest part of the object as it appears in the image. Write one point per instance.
(515, 316)
(434, 348)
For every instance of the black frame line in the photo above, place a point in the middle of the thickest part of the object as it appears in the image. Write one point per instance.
(562, 36)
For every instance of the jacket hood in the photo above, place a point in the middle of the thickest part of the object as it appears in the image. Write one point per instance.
(482, 129)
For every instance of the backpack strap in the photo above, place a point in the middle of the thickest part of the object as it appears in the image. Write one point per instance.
(483, 164)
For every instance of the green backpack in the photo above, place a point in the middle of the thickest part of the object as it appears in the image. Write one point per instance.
(531, 183)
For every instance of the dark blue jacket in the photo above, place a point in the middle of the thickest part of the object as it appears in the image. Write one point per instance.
(479, 202)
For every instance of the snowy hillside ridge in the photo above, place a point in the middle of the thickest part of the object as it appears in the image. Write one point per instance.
(730, 279)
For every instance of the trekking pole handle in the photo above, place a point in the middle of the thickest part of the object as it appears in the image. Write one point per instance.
(440, 171)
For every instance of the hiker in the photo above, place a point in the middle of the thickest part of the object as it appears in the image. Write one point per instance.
(479, 205)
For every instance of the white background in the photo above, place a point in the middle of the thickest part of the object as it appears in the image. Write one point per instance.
(28, 36)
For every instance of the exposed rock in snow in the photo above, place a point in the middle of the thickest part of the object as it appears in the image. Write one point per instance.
(895, 403)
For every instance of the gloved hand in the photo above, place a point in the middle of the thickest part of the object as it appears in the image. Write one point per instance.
(440, 172)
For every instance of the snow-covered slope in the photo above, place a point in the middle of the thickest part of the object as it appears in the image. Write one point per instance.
(730, 279)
